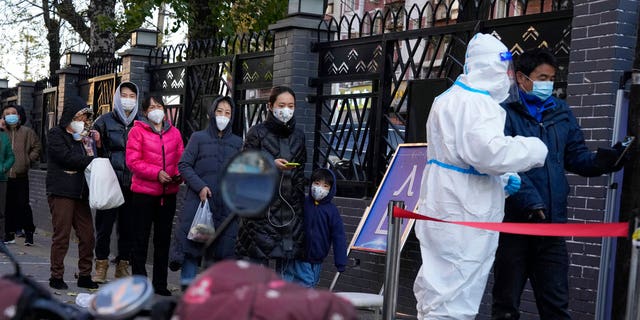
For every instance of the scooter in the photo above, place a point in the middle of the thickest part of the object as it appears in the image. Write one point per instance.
(247, 185)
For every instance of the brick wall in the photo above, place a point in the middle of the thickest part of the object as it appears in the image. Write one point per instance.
(602, 48)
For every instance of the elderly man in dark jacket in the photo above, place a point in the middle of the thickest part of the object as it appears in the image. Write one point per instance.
(201, 165)
(114, 129)
(543, 195)
(279, 235)
(70, 150)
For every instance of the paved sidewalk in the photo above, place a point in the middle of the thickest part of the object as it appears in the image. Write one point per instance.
(34, 262)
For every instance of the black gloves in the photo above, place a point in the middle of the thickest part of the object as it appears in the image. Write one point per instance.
(536, 214)
(613, 158)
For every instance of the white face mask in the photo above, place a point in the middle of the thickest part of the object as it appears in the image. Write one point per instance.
(318, 192)
(128, 103)
(77, 126)
(156, 116)
(283, 114)
(222, 122)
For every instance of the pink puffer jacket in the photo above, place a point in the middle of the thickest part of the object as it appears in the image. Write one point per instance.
(148, 152)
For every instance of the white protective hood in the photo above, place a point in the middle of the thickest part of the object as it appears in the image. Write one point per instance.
(484, 69)
(467, 152)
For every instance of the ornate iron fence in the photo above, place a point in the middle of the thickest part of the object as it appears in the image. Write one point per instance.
(101, 90)
(190, 76)
(106, 66)
(368, 63)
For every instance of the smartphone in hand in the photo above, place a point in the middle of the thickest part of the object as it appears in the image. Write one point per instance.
(292, 164)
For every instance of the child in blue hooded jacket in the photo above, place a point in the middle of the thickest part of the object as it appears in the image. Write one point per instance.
(323, 228)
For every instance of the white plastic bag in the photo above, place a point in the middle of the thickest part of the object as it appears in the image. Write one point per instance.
(202, 228)
(104, 189)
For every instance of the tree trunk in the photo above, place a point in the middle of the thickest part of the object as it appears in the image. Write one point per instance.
(630, 203)
(102, 39)
(53, 39)
(201, 24)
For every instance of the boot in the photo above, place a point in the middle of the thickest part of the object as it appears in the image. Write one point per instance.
(85, 282)
(122, 269)
(101, 271)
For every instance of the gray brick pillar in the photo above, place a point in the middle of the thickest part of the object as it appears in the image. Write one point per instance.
(134, 63)
(67, 86)
(602, 48)
(293, 65)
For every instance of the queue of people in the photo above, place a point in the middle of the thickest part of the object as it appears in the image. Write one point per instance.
(497, 139)
(148, 158)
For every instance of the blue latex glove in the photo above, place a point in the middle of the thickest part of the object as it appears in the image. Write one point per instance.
(513, 184)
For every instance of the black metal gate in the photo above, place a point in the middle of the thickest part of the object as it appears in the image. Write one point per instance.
(368, 63)
(190, 77)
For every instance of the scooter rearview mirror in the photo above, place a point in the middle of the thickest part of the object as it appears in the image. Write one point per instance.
(248, 183)
(122, 298)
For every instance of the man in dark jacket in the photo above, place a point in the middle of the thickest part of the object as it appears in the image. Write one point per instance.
(543, 195)
(279, 235)
(70, 150)
(114, 129)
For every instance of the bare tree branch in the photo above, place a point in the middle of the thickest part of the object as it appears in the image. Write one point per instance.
(14, 22)
(67, 11)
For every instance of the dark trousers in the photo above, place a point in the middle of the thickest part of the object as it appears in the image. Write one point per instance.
(18, 214)
(105, 219)
(3, 194)
(157, 211)
(65, 214)
(542, 260)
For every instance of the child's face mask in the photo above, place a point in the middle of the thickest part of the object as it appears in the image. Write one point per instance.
(319, 192)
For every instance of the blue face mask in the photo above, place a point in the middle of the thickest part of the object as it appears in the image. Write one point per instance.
(542, 89)
(11, 119)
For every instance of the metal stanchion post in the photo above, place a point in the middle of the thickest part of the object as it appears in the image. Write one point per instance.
(632, 294)
(393, 262)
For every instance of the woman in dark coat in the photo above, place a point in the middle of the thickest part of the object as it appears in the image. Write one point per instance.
(279, 235)
(202, 162)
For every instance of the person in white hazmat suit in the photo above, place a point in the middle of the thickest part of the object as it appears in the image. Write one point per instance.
(467, 155)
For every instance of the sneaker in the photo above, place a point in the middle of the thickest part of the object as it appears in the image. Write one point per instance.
(86, 282)
(28, 239)
(162, 291)
(175, 266)
(20, 234)
(9, 238)
(58, 283)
